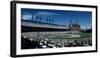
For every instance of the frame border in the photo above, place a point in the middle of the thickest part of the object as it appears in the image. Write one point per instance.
(13, 27)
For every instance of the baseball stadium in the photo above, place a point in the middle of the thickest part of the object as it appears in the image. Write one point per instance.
(55, 29)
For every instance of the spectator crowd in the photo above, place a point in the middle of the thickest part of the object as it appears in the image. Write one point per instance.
(33, 41)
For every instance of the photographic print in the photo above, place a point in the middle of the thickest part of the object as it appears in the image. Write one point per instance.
(55, 28)
(47, 28)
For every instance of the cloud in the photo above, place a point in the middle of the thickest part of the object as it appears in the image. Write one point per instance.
(86, 27)
(26, 16)
(47, 13)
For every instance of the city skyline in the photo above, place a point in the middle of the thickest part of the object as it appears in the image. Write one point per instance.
(62, 17)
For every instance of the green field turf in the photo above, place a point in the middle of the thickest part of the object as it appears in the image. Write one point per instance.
(69, 36)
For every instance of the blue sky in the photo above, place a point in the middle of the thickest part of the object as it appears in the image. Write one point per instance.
(62, 17)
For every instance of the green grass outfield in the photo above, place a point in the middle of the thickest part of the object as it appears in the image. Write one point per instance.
(69, 36)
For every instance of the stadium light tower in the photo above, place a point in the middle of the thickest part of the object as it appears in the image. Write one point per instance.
(33, 17)
(70, 21)
(77, 21)
(52, 21)
(47, 20)
(38, 18)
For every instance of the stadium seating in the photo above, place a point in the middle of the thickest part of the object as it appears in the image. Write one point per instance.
(33, 40)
